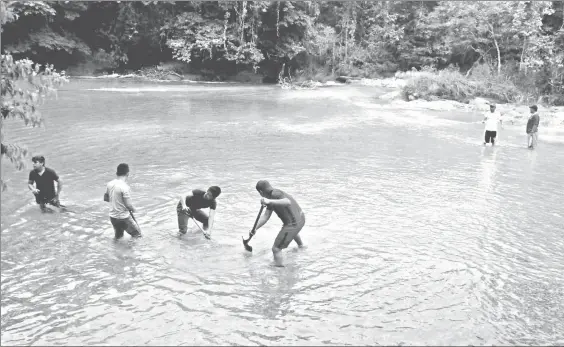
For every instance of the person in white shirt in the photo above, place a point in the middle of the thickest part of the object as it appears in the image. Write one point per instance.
(492, 120)
(118, 194)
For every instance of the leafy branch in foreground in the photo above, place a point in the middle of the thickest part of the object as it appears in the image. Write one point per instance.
(24, 87)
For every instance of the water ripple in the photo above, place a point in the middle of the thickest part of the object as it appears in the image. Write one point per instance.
(416, 233)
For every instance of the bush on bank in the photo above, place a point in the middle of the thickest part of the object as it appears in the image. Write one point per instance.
(449, 84)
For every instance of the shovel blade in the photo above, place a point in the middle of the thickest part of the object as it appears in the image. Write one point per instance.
(248, 247)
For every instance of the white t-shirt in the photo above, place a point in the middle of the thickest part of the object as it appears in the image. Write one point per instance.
(118, 190)
(492, 120)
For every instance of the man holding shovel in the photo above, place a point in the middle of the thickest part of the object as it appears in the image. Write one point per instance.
(288, 210)
(191, 204)
(118, 194)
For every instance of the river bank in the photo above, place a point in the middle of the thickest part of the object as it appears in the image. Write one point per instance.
(516, 113)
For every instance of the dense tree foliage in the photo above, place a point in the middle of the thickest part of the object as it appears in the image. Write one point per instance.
(357, 38)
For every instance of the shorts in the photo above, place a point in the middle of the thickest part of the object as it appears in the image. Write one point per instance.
(43, 200)
(126, 224)
(288, 233)
(532, 139)
(490, 135)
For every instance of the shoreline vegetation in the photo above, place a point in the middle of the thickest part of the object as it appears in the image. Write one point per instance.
(423, 90)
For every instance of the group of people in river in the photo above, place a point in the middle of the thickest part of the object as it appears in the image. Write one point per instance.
(493, 119)
(191, 205)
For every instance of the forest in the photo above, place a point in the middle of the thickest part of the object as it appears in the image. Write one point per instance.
(520, 42)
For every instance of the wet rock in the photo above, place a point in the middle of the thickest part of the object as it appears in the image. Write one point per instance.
(269, 80)
(344, 79)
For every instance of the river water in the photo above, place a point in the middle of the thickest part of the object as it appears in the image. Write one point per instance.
(416, 233)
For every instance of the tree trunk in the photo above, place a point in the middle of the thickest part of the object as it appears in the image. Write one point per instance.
(333, 59)
(523, 55)
(498, 58)
(346, 44)
(278, 19)
(243, 11)
(497, 48)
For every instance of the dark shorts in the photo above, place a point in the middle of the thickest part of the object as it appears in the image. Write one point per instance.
(490, 136)
(127, 224)
(288, 233)
(43, 200)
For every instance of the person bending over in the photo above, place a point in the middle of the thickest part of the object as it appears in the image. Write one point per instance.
(289, 212)
(191, 205)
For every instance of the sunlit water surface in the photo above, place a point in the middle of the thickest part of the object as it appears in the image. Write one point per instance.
(416, 233)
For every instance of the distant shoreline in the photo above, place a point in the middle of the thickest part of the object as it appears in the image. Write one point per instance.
(551, 116)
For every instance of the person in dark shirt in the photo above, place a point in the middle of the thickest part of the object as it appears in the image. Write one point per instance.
(191, 205)
(289, 212)
(533, 127)
(44, 179)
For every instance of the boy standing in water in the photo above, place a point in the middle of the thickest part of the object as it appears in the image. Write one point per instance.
(533, 127)
(118, 194)
(288, 210)
(191, 205)
(44, 179)
(492, 119)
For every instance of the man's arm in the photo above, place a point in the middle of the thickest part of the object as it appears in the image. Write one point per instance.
(59, 187)
(30, 182)
(127, 200)
(32, 187)
(277, 199)
(536, 123)
(277, 202)
(183, 199)
(128, 204)
(263, 219)
(211, 220)
(107, 195)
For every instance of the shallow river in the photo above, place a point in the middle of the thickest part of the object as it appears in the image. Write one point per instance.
(416, 233)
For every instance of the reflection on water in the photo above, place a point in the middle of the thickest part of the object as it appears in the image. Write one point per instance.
(489, 168)
(416, 233)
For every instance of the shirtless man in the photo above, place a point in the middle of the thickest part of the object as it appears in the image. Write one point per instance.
(288, 210)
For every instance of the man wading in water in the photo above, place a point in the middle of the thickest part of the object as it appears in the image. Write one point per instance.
(118, 194)
(492, 119)
(44, 179)
(190, 205)
(533, 127)
(288, 210)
